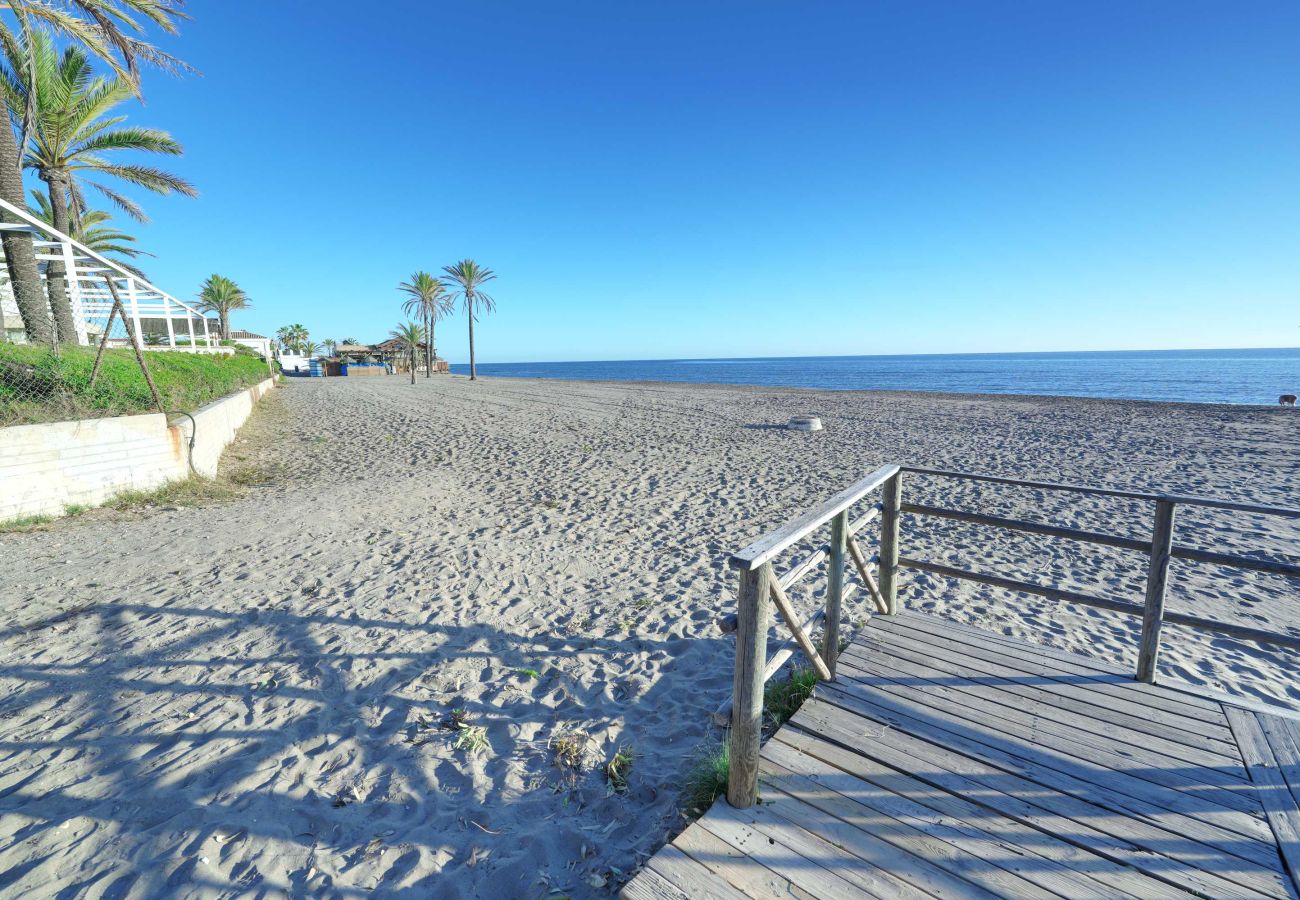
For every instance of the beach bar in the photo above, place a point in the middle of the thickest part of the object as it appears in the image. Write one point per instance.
(938, 759)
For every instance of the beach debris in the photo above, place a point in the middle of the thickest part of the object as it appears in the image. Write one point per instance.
(569, 749)
(529, 673)
(804, 423)
(458, 718)
(617, 769)
(471, 738)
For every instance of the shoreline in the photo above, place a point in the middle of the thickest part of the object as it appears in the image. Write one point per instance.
(900, 394)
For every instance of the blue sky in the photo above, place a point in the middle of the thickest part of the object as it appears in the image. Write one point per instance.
(713, 179)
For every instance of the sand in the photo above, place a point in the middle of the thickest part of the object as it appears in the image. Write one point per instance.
(251, 696)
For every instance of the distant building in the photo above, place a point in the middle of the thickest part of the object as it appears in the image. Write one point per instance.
(260, 344)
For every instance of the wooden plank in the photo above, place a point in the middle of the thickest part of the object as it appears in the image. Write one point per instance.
(735, 866)
(1152, 850)
(650, 885)
(1236, 561)
(1051, 854)
(963, 852)
(1097, 670)
(1022, 587)
(1116, 791)
(1178, 763)
(1153, 610)
(1010, 691)
(747, 684)
(1229, 801)
(1257, 509)
(1180, 551)
(797, 632)
(834, 591)
(916, 862)
(805, 859)
(1027, 527)
(1125, 696)
(770, 545)
(694, 879)
(1283, 815)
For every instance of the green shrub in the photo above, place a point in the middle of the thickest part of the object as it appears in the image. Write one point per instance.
(38, 385)
(782, 699)
(706, 779)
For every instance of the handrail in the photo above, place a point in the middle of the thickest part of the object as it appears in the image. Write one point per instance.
(760, 585)
(1282, 511)
(770, 545)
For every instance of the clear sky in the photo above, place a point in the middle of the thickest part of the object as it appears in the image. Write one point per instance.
(701, 179)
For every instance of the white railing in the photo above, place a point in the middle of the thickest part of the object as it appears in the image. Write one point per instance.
(87, 275)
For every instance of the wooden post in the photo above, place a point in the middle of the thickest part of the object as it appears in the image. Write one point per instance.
(835, 590)
(891, 503)
(747, 688)
(1153, 614)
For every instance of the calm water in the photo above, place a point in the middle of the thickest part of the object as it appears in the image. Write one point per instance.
(1200, 376)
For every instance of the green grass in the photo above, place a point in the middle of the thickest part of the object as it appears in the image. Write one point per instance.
(782, 699)
(24, 523)
(706, 779)
(192, 491)
(37, 385)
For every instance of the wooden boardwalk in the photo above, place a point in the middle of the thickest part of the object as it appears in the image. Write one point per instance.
(945, 761)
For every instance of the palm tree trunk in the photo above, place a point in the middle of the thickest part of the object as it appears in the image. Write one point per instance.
(20, 256)
(55, 276)
(225, 324)
(411, 361)
(473, 375)
(428, 343)
(433, 348)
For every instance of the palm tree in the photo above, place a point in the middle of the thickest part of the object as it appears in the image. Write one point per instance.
(310, 349)
(107, 29)
(71, 131)
(94, 231)
(410, 336)
(429, 299)
(471, 277)
(330, 344)
(291, 337)
(221, 295)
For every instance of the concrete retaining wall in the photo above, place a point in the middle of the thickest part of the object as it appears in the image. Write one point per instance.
(46, 468)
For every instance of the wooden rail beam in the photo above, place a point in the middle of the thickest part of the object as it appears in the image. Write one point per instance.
(891, 508)
(747, 685)
(797, 632)
(1153, 613)
(834, 592)
(860, 562)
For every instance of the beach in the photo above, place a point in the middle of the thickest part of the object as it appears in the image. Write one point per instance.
(260, 694)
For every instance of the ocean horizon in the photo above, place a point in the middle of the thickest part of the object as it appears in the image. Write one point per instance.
(1250, 376)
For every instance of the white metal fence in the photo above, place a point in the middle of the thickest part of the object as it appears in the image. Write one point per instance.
(160, 320)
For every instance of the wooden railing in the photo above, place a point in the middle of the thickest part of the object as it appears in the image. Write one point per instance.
(759, 584)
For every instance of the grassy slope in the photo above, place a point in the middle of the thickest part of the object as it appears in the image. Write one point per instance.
(38, 386)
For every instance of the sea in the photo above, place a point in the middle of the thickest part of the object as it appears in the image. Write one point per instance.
(1179, 376)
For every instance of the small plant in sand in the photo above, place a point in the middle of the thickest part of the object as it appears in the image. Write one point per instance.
(458, 718)
(472, 739)
(531, 674)
(706, 779)
(782, 699)
(617, 769)
(569, 750)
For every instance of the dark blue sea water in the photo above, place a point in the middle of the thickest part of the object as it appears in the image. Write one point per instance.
(1198, 376)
